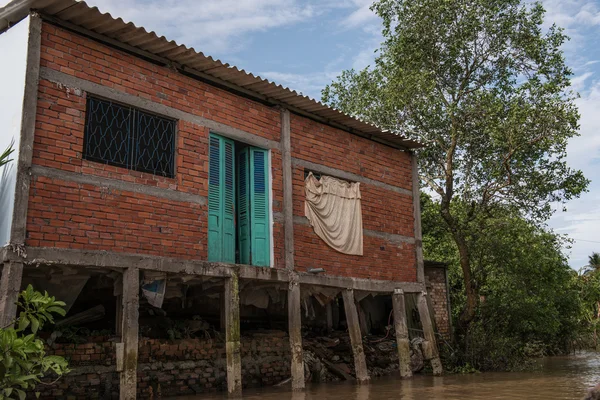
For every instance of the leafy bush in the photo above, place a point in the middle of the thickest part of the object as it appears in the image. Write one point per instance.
(23, 359)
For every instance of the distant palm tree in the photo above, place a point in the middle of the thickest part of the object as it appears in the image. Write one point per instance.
(4, 157)
(594, 261)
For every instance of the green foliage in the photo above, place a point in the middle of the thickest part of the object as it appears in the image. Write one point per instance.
(4, 157)
(23, 359)
(487, 90)
(530, 303)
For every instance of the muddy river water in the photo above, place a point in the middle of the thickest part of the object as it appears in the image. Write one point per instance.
(557, 378)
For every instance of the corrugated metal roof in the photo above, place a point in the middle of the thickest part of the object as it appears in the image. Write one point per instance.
(188, 59)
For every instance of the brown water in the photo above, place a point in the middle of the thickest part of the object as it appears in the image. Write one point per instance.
(557, 378)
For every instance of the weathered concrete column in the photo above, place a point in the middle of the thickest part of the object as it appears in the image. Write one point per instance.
(430, 346)
(360, 363)
(130, 332)
(416, 186)
(401, 328)
(295, 332)
(232, 335)
(288, 205)
(10, 285)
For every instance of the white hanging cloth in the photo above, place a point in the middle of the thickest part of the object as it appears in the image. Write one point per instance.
(333, 209)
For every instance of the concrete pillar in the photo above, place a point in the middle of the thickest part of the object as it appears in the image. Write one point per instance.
(130, 332)
(10, 286)
(232, 336)
(362, 319)
(329, 313)
(295, 332)
(401, 328)
(288, 204)
(416, 192)
(360, 363)
(430, 346)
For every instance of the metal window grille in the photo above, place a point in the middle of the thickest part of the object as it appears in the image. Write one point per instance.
(129, 138)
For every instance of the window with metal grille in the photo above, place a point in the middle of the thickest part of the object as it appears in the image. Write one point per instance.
(130, 138)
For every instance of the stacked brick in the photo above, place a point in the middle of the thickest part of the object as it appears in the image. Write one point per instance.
(436, 287)
(168, 368)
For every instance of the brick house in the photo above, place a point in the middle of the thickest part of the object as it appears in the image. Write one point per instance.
(136, 155)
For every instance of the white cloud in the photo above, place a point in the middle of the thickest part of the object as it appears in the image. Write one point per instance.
(212, 26)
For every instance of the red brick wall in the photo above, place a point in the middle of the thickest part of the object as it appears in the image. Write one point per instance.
(435, 278)
(70, 215)
(383, 210)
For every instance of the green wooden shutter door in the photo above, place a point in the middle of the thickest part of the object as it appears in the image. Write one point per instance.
(244, 206)
(221, 200)
(215, 206)
(229, 202)
(259, 208)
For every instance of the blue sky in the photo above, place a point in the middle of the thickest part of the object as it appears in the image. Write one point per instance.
(304, 44)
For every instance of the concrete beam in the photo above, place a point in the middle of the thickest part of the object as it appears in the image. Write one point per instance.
(295, 333)
(389, 237)
(288, 201)
(86, 179)
(23, 180)
(10, 286)
(416, 186)
(360, 362)
(115, 260)
(130, 332)
(401, 329)
(157, 108)
(232, 335)
(430, 347)
(296, 162)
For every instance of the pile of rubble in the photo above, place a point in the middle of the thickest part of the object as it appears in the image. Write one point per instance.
(330, 358)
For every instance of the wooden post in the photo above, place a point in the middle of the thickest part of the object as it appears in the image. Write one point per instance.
(130, 331)
(430, 345)
(295, 332)
(10, 285)
(401, 328)
(360, 363)
(232, 334)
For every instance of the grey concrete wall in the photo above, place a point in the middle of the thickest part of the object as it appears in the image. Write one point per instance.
(13, 45)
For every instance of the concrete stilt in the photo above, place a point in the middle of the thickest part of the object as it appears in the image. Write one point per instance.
(10, 285)
(329, 312)
(401, 329)
(130, 332)
(295, 332)
(360, 363)
(430, 346)
(232, 334)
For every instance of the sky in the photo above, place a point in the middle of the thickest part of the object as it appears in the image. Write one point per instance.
(305, 44)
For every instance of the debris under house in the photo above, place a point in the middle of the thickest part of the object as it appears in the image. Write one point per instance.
(208, 229)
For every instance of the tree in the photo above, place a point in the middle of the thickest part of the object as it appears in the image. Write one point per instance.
(4, 157)
(487, 91)
(531, 301)
(23, 359)
(594, 261)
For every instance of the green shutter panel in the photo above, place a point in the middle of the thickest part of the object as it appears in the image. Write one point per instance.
(215, 205)
(221, 200)
(259, 208)
(229, 202)
(244, 206)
